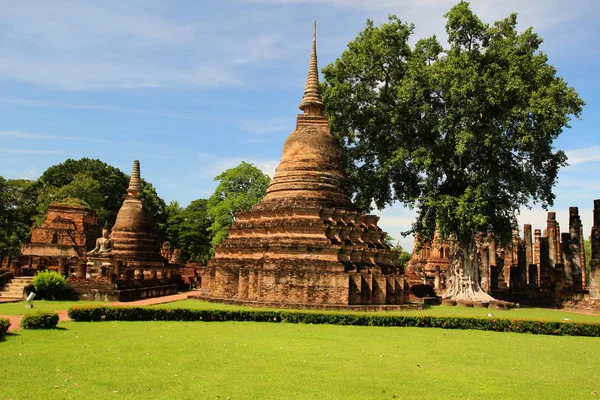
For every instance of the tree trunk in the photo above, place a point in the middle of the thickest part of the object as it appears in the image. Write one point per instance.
(463, 271)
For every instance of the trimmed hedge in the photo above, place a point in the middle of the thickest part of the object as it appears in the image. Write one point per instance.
(299, 317)
(4, 324)
(40, 320)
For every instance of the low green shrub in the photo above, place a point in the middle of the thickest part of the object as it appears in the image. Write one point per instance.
(299, 317)
(49, 284)
(40, 320)
(4, 324)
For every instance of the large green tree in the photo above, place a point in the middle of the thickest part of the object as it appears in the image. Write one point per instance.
(187, 230)
(16, 214)
(100, 185)
(463, 133)
(112, 184)
(238, 190)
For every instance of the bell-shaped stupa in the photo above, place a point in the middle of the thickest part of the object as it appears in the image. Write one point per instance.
(305, 243)
(134, 240)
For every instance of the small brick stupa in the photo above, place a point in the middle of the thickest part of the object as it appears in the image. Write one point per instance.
(305, 243)
(134, 240)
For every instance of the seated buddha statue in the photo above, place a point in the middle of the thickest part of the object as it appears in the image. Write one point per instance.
(104, 244)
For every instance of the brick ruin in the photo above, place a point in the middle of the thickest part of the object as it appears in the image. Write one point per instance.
(135, 267)
(68, 232)
(305, 244)
(545, 268)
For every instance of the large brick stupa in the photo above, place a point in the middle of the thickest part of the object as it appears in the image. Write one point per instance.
(305, 243)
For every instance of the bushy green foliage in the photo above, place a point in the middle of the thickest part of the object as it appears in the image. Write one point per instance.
(299, 317)
(463, 132)
(187, 230)
(4, 325)
(40, 320)
(49, 283)
(239, 189)
(16, 213)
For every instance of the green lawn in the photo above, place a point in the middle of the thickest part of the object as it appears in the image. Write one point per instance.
(41, 305)
(239, 360)
(438, 311)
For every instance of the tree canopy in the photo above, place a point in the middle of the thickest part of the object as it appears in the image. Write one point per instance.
(463, 133)
(16, 214)
(187, 230)
(238, 190)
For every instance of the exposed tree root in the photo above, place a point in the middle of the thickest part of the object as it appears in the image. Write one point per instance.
(463, 272)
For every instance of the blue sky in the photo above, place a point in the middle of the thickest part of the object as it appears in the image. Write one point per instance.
(191, 88)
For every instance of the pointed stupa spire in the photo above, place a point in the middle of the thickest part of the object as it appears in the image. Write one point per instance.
(311, 102)
(135, 182)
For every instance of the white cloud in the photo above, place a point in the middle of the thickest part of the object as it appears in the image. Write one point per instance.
(29, 151)
(220, 165)
(587, 154)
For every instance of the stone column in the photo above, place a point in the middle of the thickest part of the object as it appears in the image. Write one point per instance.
(437, 284)
(82, 271)
(15, 267)
(559, 282)
(594, 279)
(485, 268)
(63, 267)
(545, 281)
(574, 246)
(138, 274)
(553, 243)
(559, 256)
(533, 276)
(537, 235)
(117, 267)
(492, 250)
(528, 244)
(568, 258)
(584, 277)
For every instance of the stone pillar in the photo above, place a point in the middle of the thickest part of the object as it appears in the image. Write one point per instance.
(63, 267)
(533, 276)
(537, 235)
(154, 274)
(493, 278)
(545, 272)
(594, 279)
(553, 243)
(492, 250)
(522, 264)
(138, 274)
(528, 244)
(567, 257)
(559, 256)
(117, 267)
(560, 286)
(574, 246)
(437, 284)
(584, 277)
(82, 270)
(484, 273)
(15, 267)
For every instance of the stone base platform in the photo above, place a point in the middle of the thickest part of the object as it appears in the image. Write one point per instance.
(330, 307)
(431, 301)
(110, 294)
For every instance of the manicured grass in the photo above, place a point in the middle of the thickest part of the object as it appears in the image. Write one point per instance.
(243, 360)
(42, 305)
(438, 311)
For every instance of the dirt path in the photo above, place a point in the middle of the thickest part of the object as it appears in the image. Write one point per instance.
(15, 320)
